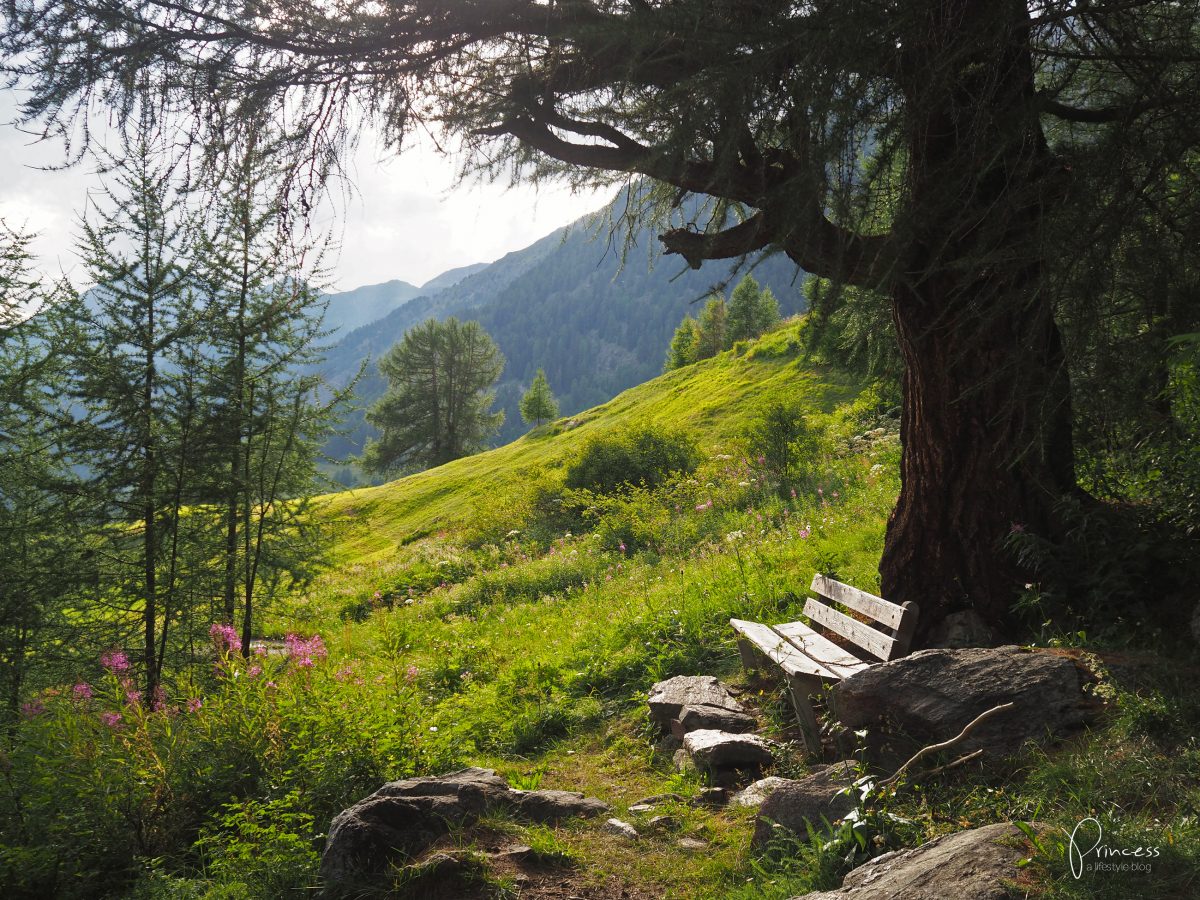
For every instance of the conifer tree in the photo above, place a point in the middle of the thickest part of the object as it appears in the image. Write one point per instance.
(538, 402)
(437, 406)
(138, 436)
(685, 345)
(265, 411)
(42, 552)
(713, 329)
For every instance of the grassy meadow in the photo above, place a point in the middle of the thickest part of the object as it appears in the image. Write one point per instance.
(482, 614)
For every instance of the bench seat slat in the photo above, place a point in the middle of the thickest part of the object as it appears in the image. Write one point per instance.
(780, 651)
(836, 659)
(887, 614)
(874, 642)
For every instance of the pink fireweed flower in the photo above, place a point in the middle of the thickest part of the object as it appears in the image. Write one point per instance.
(224, 637)
(411, 673)
(111, 719)
(133, 697)
(194, 704)
(115, 661)
(82, 691)
(304, 653)
(804, 533)
(254, 671)
(32, 709)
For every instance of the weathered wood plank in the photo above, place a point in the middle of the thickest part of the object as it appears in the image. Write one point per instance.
(834, 658)
(904, 634)
(874, 642)
(802, 687)
(887, 614)
(780, 651)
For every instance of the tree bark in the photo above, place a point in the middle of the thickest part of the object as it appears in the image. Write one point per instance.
(985, 426)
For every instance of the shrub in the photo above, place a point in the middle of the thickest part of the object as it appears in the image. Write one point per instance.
(780, 441)
(639, 456)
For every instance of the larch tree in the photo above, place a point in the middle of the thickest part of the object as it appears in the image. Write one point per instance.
(751, 311)
(439, 399)
(538, 404)
(979, 113)
(267, 407)
(684, 345)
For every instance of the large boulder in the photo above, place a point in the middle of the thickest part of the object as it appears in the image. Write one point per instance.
(929, 696)
(794, 804)
(711, 749)
(692, 702)
(403, 819)
(978, 864)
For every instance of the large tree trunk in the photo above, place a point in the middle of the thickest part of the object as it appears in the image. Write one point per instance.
(985, 428)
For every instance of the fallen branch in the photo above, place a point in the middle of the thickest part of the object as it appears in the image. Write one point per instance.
(934, 748)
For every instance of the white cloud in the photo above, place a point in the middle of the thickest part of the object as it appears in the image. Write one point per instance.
(405, 219)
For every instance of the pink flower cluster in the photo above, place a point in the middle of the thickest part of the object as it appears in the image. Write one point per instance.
(701, 507)
(224, 637)
(82, 691)
(115, 661)
(304, 653)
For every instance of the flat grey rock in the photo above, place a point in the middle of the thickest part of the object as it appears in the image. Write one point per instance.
(694, 718)
(967, 865)
(712, 749)
(667, 699)
(795, 804)
(554, 806)
(755, 794)
(930, 695)
(621, 829)
(402, 819)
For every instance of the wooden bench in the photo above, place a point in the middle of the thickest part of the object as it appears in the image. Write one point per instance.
(809, 659)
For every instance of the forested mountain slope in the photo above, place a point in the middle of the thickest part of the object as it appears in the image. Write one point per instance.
(596, 319)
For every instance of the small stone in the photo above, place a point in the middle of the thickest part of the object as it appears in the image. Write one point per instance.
(797, 803)
(711, 749)
(517, 853)
(667, 699)
(621, 829)
(554, 806)
(656, 799)
(692, 844)
(641, 807)
(714, 796)
(694, 718)
(669, 823)
(755, 794)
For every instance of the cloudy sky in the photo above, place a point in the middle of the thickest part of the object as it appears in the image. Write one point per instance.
(402, 221)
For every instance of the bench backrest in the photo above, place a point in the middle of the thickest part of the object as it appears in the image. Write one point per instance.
(888, 639)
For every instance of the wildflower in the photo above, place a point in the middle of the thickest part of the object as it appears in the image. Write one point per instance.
(304, 653)
(115, 661)
(622, 546)
(411, 673)
(793, 493)
(804, 533)
(377, 596)
(133, 697)
(254, 671)
(82, 691)
(224, 637)
(734, 536)
(194, 704)
(32, 709)
(111, 719)
(1017, 528)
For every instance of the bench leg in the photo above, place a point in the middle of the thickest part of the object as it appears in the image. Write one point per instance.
(801, 688)
(748, 653)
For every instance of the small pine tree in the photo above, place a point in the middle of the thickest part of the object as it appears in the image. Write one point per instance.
(752, 311)
(743, 311)
(684, 345)
(713, 328)
(538, 404)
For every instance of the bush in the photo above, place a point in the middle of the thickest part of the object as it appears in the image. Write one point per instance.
(780, 441)
(641, 456)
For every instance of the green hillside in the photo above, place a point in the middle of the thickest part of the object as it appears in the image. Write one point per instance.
(713, 399)
(481, 614)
